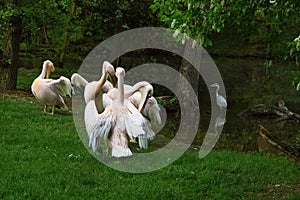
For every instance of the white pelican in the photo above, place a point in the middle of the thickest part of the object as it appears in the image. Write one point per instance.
(51, 92)
(78, 82)
(95, 89)
(221, 101)
(141, 96)
(119, 121)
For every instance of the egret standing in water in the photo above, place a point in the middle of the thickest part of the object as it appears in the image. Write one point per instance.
(222, 104)
(221, 101)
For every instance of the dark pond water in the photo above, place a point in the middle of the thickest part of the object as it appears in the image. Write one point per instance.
(249, 82)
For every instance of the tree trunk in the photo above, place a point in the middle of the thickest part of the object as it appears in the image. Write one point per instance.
(189, 73)
(9, 62)
(67, 37)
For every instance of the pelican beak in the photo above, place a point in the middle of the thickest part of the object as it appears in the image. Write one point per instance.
(48, 72)
(143, 101)
(113, 79)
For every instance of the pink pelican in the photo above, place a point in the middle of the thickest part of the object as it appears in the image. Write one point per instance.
(51, 92)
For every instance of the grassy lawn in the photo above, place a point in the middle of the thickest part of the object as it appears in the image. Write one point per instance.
(42, 157)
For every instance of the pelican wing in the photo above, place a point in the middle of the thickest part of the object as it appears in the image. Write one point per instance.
(78, 81)
(135, 99)
(107, 101)
(61, 86)
(138, 126)
(134, 121)
(98, 125)
(152, 110)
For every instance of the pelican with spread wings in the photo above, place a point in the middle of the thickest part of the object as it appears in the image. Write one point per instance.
(49, 91)
(119, 122)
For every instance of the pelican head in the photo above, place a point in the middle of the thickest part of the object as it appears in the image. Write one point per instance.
(146, 91)
(110, 72)
(120, 72)
(48, 67)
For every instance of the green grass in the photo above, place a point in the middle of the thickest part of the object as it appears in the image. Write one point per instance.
(42, 157)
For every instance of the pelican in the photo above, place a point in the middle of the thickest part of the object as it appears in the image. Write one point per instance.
(51, 92)
(298, 86)
(141, 96)
(78, 82)
(221, 101)
(94, 90)
(119, 121)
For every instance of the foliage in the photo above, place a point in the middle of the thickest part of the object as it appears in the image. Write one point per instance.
(45, 23)
(258, 21)
(296, 78)
(295, 49)
(195, 19)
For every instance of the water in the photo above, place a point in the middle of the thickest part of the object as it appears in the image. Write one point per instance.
(248, 83)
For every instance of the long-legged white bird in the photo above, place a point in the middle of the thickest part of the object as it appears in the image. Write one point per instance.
(221, 101)
(119, 121)
(51, 92)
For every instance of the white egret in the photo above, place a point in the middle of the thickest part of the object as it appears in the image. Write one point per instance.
(221, 101)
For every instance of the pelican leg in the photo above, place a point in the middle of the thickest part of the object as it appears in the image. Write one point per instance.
(52, 110)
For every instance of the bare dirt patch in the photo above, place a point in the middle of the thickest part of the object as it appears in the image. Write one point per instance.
(22, 95)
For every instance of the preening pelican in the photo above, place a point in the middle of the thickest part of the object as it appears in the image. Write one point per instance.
(221, 101)
(119, 121)
(94, 90)
(141, 96)
(51, 92)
